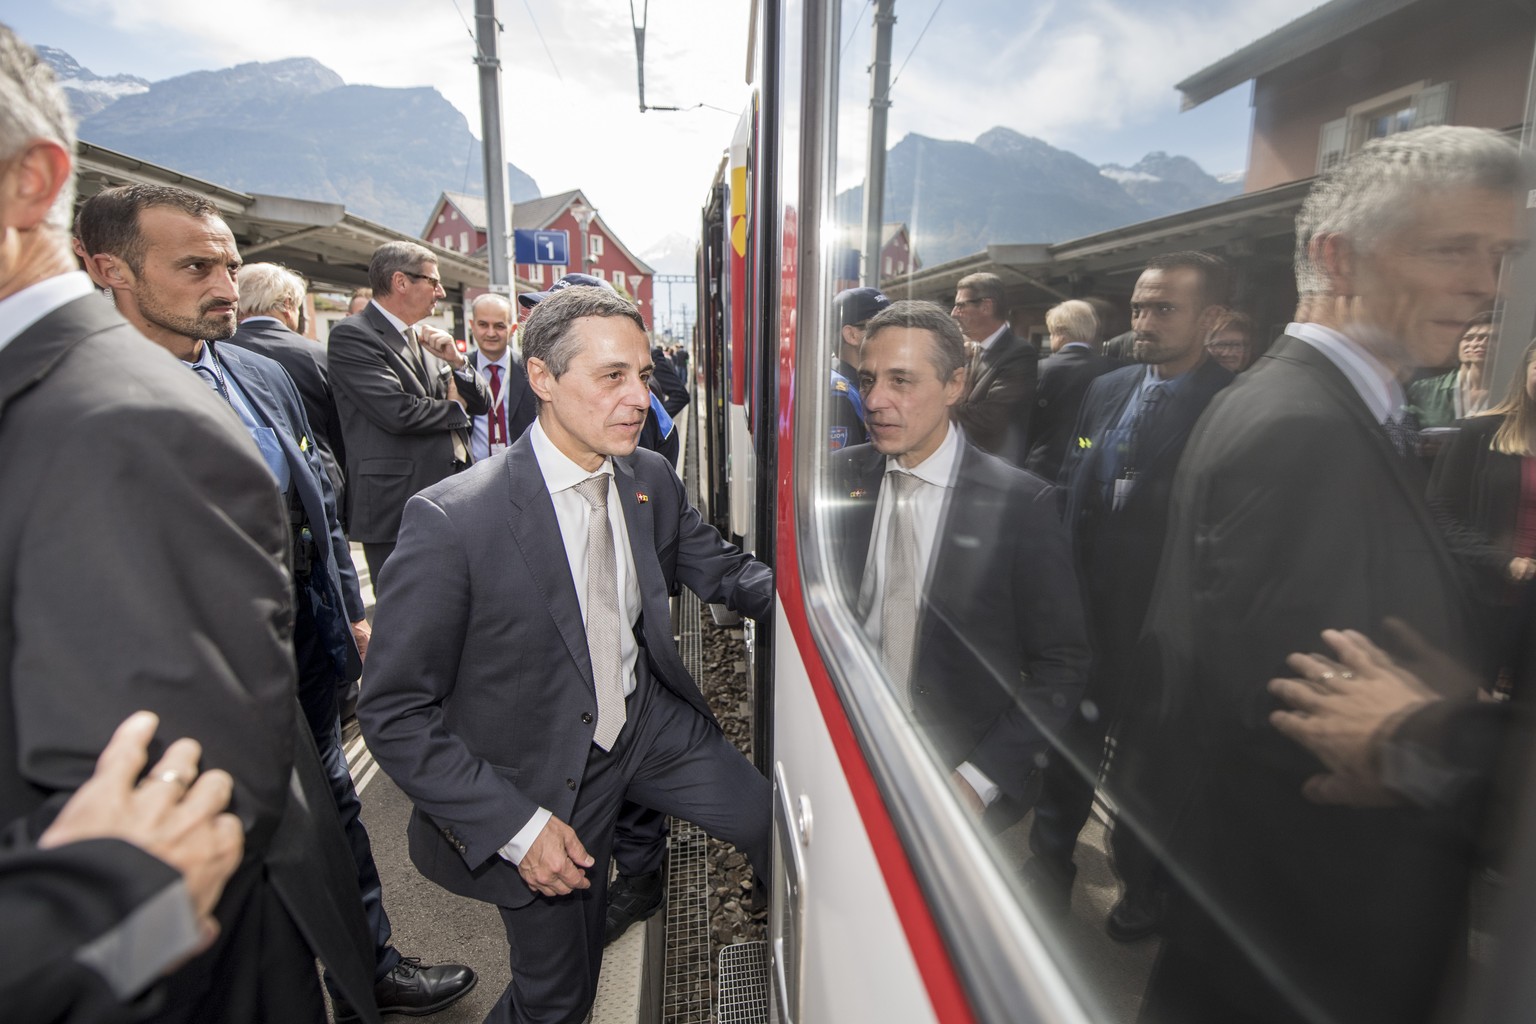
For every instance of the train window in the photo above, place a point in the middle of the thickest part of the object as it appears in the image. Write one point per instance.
(1172, 507)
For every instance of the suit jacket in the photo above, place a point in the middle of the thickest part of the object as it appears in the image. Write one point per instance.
(1001, 653)
(522, 403)
(307, 364)
(668, 385)
(480, 701)
(146, 569)
(1293, 513)
(398, 430)
(1118, 551)
(999, 398)
(1064, 380)
(331, 588)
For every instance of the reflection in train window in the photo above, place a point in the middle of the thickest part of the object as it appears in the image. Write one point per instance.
(1185, 499)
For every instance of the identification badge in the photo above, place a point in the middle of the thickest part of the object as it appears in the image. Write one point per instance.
(1123, 488)
(497, 449)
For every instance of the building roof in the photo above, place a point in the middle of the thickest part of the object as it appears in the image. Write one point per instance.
(322, 241)
(471, 207)
(530, 216)
(1312, 31)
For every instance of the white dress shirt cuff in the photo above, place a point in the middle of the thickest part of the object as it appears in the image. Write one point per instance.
(517, 848)
(984, 787)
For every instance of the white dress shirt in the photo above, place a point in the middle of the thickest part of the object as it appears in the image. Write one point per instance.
(479, 438)
(938, 471)
(1376, 385)
(32, 303)
(986, 342)
(561, 476)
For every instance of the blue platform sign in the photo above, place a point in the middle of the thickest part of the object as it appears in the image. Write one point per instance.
(552, 247)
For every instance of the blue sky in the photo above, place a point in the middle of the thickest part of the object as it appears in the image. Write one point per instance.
(1092, 76)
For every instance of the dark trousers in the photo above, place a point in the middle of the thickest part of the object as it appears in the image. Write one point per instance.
(668, 758)
(639, 840)
(334, 760)
(1066, 801)
(376, 555)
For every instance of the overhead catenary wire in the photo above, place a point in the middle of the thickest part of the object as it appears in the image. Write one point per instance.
(857, 18)
(896, 77)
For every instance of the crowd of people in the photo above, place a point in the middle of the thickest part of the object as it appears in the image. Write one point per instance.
(1113, 570)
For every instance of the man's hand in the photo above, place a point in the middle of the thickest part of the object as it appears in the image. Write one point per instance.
(1342, 710)
(968, 796)
(555, 864)
(361, 634)
(168, 814)
(1522, 569)
(440, 344)
(453, 393)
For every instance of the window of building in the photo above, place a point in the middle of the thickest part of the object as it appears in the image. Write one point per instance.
(535, 273)
(464, 241)
(618, 279)
(1413, 106)
(597, 272)
(596, 245)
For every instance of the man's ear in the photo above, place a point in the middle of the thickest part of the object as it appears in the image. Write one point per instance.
(540, 379)
(109, 271)
(32, 182)
(1336, 258)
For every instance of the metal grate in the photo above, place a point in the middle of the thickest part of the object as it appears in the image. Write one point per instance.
(743, 984)
(686, 996)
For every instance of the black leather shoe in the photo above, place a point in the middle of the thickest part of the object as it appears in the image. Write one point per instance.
(1137, 915)
(632, 898)
(414, 989)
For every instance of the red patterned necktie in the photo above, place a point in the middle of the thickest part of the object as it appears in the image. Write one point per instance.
(496, 424)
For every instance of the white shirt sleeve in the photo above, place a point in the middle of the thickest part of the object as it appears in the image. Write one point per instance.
(984, 787)
(517, 848)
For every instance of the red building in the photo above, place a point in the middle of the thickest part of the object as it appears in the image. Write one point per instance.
(458, 222)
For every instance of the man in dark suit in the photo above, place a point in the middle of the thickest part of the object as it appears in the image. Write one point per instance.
(1300, 506)
(146, 569)
(1118, 472)
(1000, 381)
(166, 227)
(271, 314)
(513, 407)
(525, 681)
(984, 644)
(405, 395)
(1064, 378)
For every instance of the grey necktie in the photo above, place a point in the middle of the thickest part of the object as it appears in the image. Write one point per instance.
(898, 608)
(603, 619)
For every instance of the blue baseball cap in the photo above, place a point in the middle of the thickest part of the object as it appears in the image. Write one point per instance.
(530, 299)
(856, 306)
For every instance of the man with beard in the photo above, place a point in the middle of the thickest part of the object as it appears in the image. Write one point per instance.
(1118, 474)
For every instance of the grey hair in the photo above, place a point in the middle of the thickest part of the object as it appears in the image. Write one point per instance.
(265, 287)
(1376, 190)
(32, 106)
(1075, 319)
(396, 257)
(946, 353)
(547, 333)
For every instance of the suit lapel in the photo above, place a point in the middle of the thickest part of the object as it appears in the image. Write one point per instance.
(395, 345)
(1171, 424)
(537, 533)
(866, 474)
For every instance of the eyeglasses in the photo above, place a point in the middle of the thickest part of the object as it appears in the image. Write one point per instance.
(962, 303)
(437, 282)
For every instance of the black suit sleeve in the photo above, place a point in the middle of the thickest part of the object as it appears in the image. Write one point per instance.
(669, 387)
(101, 920)
(473, 389)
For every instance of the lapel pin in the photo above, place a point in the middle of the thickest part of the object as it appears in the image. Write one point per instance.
(642, 497)
(858, 493)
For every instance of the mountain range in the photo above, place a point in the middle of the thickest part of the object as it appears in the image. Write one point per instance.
(293, 128)
(957, 197)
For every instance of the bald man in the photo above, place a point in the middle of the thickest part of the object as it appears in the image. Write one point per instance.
(513, 406)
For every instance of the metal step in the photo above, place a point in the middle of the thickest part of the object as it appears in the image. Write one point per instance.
(743, 997)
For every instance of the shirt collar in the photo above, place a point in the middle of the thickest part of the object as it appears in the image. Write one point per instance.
(1069, 346)
(260, 320)
(32, 303)
(1372, 381)
(939, 468)
(560, 473)
(395, 322)
(986, 342)
(505, 362)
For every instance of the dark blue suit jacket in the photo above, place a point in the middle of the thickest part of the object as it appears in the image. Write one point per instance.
(1002, 654)
(334, 596)
(480, 701)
